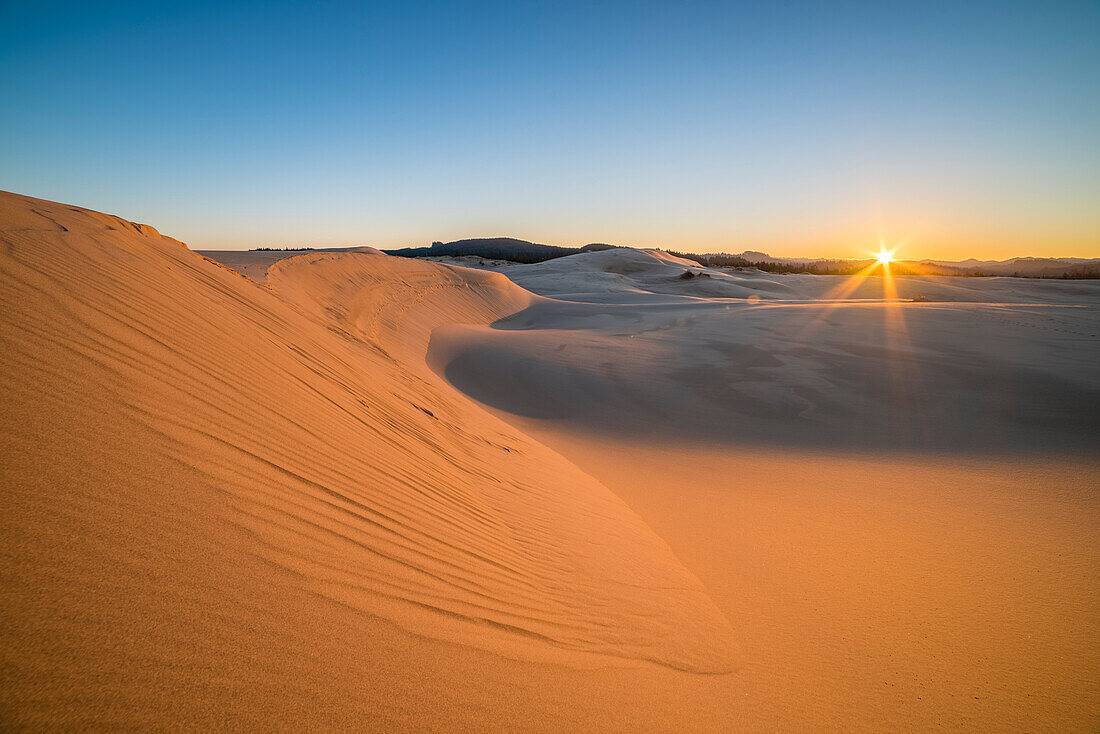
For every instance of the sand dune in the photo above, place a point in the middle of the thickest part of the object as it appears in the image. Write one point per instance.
(255, 263)
(628, 276)
(200, 471)
(652, 356)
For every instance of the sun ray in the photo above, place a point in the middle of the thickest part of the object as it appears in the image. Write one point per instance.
(837, 295)
(850, 285)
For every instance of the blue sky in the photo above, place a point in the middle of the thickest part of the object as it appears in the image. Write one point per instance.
(960, 129)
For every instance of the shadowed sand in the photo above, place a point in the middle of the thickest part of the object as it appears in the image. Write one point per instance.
(990, 364)
(897, 501)
(263, 504)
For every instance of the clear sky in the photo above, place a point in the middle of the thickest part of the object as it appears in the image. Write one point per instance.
(962, 129)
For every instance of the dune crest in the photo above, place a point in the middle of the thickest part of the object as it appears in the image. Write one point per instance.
(206, 425)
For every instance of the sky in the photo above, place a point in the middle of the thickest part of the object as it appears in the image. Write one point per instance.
(948, 130)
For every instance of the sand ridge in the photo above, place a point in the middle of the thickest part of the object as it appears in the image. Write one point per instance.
(170, 424)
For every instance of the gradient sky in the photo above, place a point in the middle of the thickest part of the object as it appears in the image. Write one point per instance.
(962, 129)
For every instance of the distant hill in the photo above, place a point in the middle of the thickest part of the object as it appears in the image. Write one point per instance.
(1029, 267)
(498, 248)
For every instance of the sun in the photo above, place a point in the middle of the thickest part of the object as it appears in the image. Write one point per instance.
(885, 257)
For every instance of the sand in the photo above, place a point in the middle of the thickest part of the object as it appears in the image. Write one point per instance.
(897, 501)
(356, 491)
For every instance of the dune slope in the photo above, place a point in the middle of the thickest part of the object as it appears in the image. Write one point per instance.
(208, 481)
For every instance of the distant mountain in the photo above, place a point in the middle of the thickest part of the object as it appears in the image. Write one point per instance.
(1035, 267)
(755, 256)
